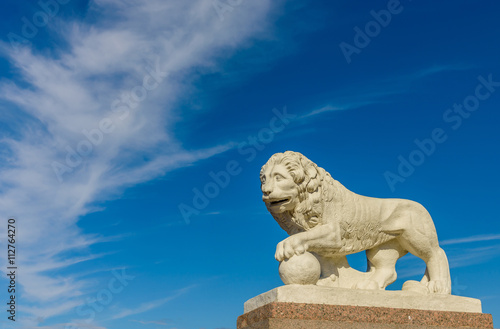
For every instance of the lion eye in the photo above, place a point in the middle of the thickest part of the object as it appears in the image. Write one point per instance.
(263, 179)
(279, 177)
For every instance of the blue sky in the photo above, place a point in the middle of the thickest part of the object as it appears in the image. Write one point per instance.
(116, 116)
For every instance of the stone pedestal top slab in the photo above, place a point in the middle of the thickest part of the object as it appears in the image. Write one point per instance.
(312, 294)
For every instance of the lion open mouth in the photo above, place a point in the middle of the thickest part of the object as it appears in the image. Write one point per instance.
(278, 202)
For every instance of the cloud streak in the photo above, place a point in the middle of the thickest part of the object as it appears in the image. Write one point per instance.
(151, 305)
(56, 98)
(355, 97)
(471, 239)
(160, 322)
(462, 257)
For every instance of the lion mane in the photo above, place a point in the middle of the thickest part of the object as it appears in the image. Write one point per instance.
(316, 188)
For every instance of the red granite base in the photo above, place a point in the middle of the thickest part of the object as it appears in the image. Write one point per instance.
(317, 316)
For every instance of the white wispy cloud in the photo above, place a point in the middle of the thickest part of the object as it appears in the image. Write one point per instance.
(60, 97)
(463, 257)
(473, 256)
(159, 322)
(348, 105)
(151, 305)
(471, 239)
(67, 325)
(438, 68)
(323, 109)
(372, 92)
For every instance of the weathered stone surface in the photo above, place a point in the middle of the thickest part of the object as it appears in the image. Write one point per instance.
(312, 294)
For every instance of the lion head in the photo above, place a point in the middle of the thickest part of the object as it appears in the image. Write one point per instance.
(294, 190)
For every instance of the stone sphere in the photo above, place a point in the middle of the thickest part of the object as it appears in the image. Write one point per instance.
(301, 269)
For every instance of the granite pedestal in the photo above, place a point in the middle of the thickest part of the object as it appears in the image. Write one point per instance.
(292, 307)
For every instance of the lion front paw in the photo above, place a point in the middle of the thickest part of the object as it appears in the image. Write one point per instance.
(367, 285)
(289, 247)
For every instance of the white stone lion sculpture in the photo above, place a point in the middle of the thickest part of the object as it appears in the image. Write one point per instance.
(326, 219)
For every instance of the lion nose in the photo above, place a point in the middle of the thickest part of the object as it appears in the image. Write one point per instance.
(266, 189)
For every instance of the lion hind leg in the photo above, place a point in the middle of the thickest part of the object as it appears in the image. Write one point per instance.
(438, 273)
(426, 277)
(419, 237)
(396, 224)
(382, 265)
(393, 226)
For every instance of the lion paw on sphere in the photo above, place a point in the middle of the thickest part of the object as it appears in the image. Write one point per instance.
(301, 269)
(325, 218)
